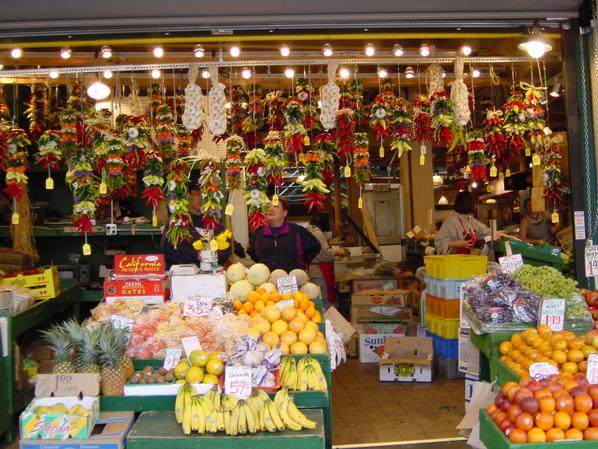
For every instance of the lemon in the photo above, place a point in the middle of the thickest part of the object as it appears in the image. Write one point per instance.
(215, 366)
(181, 369)
(198, 358)
(253, 333)
(195, 374)
(279, 326)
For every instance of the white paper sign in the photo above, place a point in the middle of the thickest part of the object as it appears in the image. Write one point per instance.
(237, 381)
(216, 313)
(542, 370)
(198, 306)
(287, 284)
(285, 303)
(190, 344)
(591, 261)
(592, 371)
(510, 263)
(579, 220)
(172, 359)
(122, 322)
(552, 313)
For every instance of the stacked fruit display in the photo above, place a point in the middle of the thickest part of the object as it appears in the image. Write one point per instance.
(200, 367)
(562, 349)
(591, 298)
(213, 412)
(304, 375)
(563, 407)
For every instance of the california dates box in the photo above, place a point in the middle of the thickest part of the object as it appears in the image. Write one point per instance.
(139, 265)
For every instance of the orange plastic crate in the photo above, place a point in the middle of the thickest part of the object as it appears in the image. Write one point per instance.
(444, 308)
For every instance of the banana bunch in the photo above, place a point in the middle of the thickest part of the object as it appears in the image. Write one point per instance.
(305, 375)
(183, 400)
(292, 417)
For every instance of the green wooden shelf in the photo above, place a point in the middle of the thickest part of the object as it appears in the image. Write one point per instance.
(92, 296)
(140, 230)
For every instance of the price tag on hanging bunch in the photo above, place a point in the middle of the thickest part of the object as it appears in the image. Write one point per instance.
(555, 218)
(154, 220)
(172, 358)
(552, 313)
(275, 200)
(510, 263)
(237, 381)
(86, 249)
(535, 160)
(103, 189)
(592, 370)
(542, 370)
(49, 184)
(15, 219)
(229, 210)
(422, 159)
(591, 260)
(347, 171)
(493, 171)
(197, 307)
(360, 203)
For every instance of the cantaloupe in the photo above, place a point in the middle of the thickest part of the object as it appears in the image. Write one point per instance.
(268, 287)
(240, 289)
(258, 274)
(311, 290)
(236, 272)
(277, 274)
(301, 276)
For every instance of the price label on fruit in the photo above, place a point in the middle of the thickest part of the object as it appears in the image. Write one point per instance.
(510, 263)
(237, 381)
(285, 303)
(591, 259)
(198, 306)
(190, 344)
(592, 370)
(542, 370)
(122, 322)
(287, 284)
(172, 358)
(552, 313)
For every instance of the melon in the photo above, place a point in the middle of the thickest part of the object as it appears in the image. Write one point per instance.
(268, 287)
(236, 272)
(240, 290)
(277, 274)
(258, 274)
(311, 290)
(301, 276)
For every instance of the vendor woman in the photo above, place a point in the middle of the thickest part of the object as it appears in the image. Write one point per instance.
(461, 233)
(536, 227)
(281, 244)
(184, 253)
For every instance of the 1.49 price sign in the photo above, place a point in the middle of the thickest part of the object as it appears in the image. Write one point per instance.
(237, 381)
(196, 307)
(552, 313)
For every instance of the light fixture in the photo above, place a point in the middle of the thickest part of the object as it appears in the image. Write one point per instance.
(475, 73)
(397, 50)
(198, 51)
(409, 73)
(382, 72)
(344, 73)
(424, 50)
(65, 53)
(327, 50)
(234, 51)
(466, 50)
(443, 201)
(285, 50)
(1, 66)
(98, 90)
(555, 92)
(107, 74)
(158, 52)
(106, 52)
(16, 53)
(246, 73)
(53, 74)
(228, 105)
(474, 185)
(289, 72)
(535, 44)
(156, 74)
(437, 180)
(370, 50)
(205, 74)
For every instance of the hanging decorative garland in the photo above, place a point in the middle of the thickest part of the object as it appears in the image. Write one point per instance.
(422, 120)
(37, 110)
(255, 116)
(476, 157)
(515, 121)
(48, 150)
(552, 176)
(443, 118)
(380, 118)
(276, 157)
(115, 167)
(193, 115)
(535, 115)
(164, 127)
(361, 159)
(306, 94)
(235, 147)
(326, 145)
(217, 112)
(256, 186)
(345, 134)
(70, 127)
(184, 142)
(402, 134)
(177, 196)
(136, 141)
(495, 140)
(16, 164)
(294, 131)
(275, 103)
(313, 183)
(81, 181)
(210, 185)
(236, 112)
(153, 180)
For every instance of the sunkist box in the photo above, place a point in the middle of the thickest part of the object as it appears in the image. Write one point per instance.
(139, 265)
(407, 359)
(151, 291)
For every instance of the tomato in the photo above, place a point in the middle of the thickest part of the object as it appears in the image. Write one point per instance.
(525, 421)
(573, 434)
(591, 433)
(547, 404)
(583, 403)
(536, 435)
(518, 436)
(513, 412)
(555, 434)
(562, 420)
(580, 421)
(593, 417)
(544, 420)
(565, 403)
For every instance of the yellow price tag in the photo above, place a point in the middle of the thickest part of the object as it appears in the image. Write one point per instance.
(422, 159)
(229, 209)
(493, 171)
(535, 160)
(306, 140)
(528, 152)
(360, 203)
(347, 171)
(489, 188)
(49, 184)
(154, 220)
(555, 217)
(508, 173)
(381, 151)
(87, 249)
(501, 175)
(103, 188)
(213, 245)
(275, 201)
(15, 219)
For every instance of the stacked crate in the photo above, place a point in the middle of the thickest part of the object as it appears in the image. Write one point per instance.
(444, 276)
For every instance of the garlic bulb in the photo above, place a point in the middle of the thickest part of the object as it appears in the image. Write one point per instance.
(460, 96)
(217, 107)
(331, 95)
(193, 115)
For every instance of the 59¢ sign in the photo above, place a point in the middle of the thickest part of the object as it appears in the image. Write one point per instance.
(237, 381)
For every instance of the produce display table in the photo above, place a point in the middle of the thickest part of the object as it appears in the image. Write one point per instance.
(42, 313)
(159, 430)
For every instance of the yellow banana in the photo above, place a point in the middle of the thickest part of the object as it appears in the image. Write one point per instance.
(194, 415)
(216, 402)
(268, 421)
(227, 423)
(201, 419)
(234, 421)
(187, 421)
(251, 419)
(275, 415)
(213, 421)
(188, 395)
(302, 379)
(280, 395)
(242, 418)
(299, 417)
(289, 422)
(312, 379)
(180, 404)
(262, 395)
(206, 406)
(220, 420)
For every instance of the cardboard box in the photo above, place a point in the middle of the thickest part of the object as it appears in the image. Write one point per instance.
(151, 291)
(351, 345)
(398, 298)
(407, 359)
(360, 285)
(371, 347)
(110, 432)
(380, 314)
(139, 265)
(469, 383)
(206, 285)
(340, 325)
(469, 354)
(70, 390)
(45, 284)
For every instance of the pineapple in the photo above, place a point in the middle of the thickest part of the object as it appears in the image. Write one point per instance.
(62, 346)
(87, 352)
(76, 333)
(126, 363)
(111, 373)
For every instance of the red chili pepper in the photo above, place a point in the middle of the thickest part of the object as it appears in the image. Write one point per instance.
(83, 224)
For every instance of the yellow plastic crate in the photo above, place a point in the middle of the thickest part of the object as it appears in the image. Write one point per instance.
(455, 266)
(45, 284)
(443, 327)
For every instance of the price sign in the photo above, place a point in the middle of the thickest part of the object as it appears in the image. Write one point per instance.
(510, 263)
(542, 370)
(190, 344)
(49, 184)
(552, 313)
(198, 306)
(592, 371)
(172, 359)
(535, 160)
(287, 284)
(229, 209)
(286, 303)
(591, 259)
(122, 322)
(237, 381)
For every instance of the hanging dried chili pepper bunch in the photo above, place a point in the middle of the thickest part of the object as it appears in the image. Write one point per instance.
(98, 133)
(115, 167)
(4, 130)
(515, 120)
(153, 179)
(136, 140)
(16, 164)
(177, 197)
(37, 110)
(326, 145)
(81, 181)
(307, 97)
(256, 185)
(313, 184)
(345, 133)
(550, 161)
(535, 114)
(274, 103)
(352, 98)
(422, 120)
(164, 131)
(402, 127)
(155, 101)
(476, 157)
(380, 117)
(294, 131)
(70, 126)
(48, 150)
(276, 157)
(236, 113)
(210, 185)
(443, 118)
(495, 139)
(361, 159)
(184, 141)
(254, 121)
(235, 147)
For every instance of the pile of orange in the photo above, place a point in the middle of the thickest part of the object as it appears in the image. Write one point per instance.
(563, 407)
(260, 298)
(562, 349)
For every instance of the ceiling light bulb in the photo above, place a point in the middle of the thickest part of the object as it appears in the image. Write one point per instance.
(443, 201)
(443, 74)
(65, 53)
(344, 73)
(246, 73)
(397, 50)
(1, 66)
(466, 50)
(556, 90)
(475, 73)
(409, 73)
(289, 72)
(474, 185)
(98, 90)
(156, 74)
(198, 51)
(370, 50)
(158, 52)
(106, 52)
(107, 74)
(285, 50)
(205, 74)
(327, 50)
(424, 50)
(382, 72)
(535, 44)
(234, 51)
(53, 74)
(16, 53)
(228, 105)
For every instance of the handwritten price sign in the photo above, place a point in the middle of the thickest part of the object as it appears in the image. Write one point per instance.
(287, 284)
(196, 307)
(591, 259)
(237, 381)
(592, 371)
(285, 303)
(542, 370)
(190, 344)
(510, 263)
(552, 313)
(172, 359)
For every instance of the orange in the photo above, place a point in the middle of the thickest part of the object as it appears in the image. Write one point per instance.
(580, 421)
(253, 313)
(575, 355)
(569, 368)
(547, 404)
(304, 305)
(544, 329)
(253, 297)
(286, 296)
(248, 307)
(259, 305)
(261, 290)
(310, 312)
(241, 312)
(559, 343)
(568, 335)
(562, 420)
(505, 347)
(583, 366)
(544, 420)
(275, 296)
(559, 356)
(576, 343)
(587, 350)
(574, 434)
(270, 303)
(536, 435)
(237, 305)
(555, 434)
(317, 317)
(298, 296)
